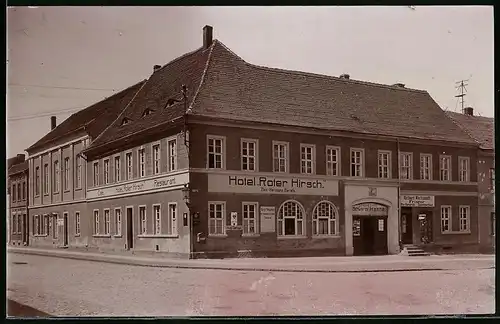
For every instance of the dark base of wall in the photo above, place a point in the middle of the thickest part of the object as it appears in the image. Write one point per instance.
(267, 254)
(437, 248)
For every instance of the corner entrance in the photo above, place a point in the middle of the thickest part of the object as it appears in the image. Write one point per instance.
(369, 229)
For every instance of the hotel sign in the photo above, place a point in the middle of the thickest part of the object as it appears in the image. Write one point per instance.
(267, 219)
(417, 201)
(155, 184)
(272, 185)
(369, 209)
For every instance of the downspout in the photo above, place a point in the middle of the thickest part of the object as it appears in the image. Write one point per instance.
(399, 198)
(186, 144)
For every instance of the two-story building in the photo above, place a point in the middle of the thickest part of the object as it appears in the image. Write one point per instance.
(217, 156)
(17, 211)
(58, 173)
(481, 129)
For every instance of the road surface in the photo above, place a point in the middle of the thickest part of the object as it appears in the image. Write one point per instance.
(65, 287)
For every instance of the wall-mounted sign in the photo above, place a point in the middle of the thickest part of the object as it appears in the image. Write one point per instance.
(267, 219)
(234, 219)
(139, 186)
(417, 201)
(272, 185)
(372, 192)
(369, 209)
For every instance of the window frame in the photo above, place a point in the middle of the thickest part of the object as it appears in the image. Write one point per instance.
(460, 170)
(79, 174)
(95, 173)
(57, 177)
(172, 228)
(129, 169)
(332, 232)
(246, 227)
(255, 156)
(107, 221)
(449, 218)
(14, 192)
(95, 222)
(105, 173)
(448, 158)
(157, 230)
(281, 223)
(117, 168)
(338, 163)
(77, 223)
(224, 218)
(362, 162)
(312, 161)
(141, 166)
(287, 157)
(409, 167)
(156, 159)
(467, 218)
(37, 181)
(172, 155)
(118, 224)
(46, 179)
(67, 173)
(422, 166)
(24, 190)
(143, 223)
(223, 152)
(388, 166)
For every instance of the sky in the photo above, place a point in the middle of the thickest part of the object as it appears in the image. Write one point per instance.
(62, 59)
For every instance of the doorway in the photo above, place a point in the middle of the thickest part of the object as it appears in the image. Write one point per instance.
(370, 235)
(406, 226)
(25, 230)
(65, 229)
(425, 222)
(130, 230)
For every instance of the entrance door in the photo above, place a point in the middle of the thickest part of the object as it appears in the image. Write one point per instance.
(130, 231)
(425, 221)
(65, 229)
(370, 235)
(25, 230)
(406, 226)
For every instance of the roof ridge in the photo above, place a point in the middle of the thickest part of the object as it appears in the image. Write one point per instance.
(203, 75)
(179, 58)
(466, 131)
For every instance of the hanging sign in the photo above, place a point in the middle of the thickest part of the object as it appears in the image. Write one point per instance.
(234, 219)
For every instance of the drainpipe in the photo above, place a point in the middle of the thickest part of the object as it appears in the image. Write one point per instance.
(399, 197)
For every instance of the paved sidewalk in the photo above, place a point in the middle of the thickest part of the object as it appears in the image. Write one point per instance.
(386, 263)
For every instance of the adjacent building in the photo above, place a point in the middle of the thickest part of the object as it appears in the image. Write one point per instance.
(481, 129)
(17, 208)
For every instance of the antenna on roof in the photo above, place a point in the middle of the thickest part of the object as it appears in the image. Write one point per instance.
(462, 90)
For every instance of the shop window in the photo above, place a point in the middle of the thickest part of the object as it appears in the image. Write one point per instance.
(291, 219)
(325, 219)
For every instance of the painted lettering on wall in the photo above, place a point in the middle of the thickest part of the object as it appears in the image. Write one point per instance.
(417, 201)
(369, 209)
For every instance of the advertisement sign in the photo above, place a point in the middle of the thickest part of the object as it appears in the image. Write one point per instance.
(417, 201)
(234, 219)
(369, 209)
(267, 219)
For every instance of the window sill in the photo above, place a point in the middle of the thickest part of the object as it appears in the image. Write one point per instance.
(67, 190)
(217, 235)
(118, 236)
(250, 235)
(40, 235)
(77, 235)
(291, 237)
(326, 236)
(158, 236)
(101, 235)
(78, 189)
(455, 233)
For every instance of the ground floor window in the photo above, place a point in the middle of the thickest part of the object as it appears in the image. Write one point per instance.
(325, 219)
(142, 220)
(19, 224)
(493, 223)
(14, 223)
(464, 218)
(118, 221)
(216, 218)
(36, 225)
(77, 223)
(445, 218)
(54, 226)
(172, 219)
(107, 222)
(96, 222)
(250, 218)
(46, 225)
(291, 219)
(157, 218)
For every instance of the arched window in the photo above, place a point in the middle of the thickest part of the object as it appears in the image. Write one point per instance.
(291, 219)
(325, 219)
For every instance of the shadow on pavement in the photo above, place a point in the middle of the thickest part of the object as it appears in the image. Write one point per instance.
(19, 310)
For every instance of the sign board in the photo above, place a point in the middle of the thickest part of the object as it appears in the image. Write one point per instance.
(272, 185)
(381, 225)
(417, 201)
(139, 186)
(369, 209)
(234, 219)
(267, 219)
(421, 216)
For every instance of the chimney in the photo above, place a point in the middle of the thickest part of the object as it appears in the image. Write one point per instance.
(20, 158)
(469, 111)
(207, 36)
(399, 85)
(156, 67)
(53, 123)
(345, 76)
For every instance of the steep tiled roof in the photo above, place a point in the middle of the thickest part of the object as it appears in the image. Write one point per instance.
(222, 85)
(481, 129)
(94, 118)
(20, 167)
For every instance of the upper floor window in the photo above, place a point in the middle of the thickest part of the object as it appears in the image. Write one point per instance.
(57, 176)
(19, 195)
(46, 179)
(406, 166)
(117, 168)
(445, 168)
(128, 162)
(14, 192)
(306, 159)
(156, 159)
(463, 169)
(357, 160)
(249, 154)
(142, 162)
(215, 151)
(280, 156)
(445, 219)
(426, 166)
(384, 164)
(37, 181)
(172, 155)
(332, 161)
(96, 173)
(24, 190)
(79, 168)
(106, 171)
(66, 173)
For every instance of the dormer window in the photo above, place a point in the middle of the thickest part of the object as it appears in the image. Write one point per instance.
(171, 102)
(125, 121)
(147, 112)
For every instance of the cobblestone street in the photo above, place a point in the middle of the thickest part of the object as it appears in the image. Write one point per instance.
(65, 287)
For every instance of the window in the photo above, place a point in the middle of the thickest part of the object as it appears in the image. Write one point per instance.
(54, 226)
(142, 220)
(46, 179)
(464, 214)
(77, 223)
(128, 162)
(250, 218)
(172, 155)
(36, 225)
(216, 218)
(125, 121)
(118, 221)
(146, 112)
(14, 192)
(445, 219)
(46, 224)
(117, 168)
(248, 155)
(384, 164)
(19, 192)
(492, 180)
(357, 162)
(325, 219)
(157, 218)
(96, 173)
(66, 173)
(14, 223)
(406, 166)
(291, 219)
(280, 157)
(19, 224)
(37, 181)
(215, 151)
(107, 222)
(106, 171)
(332, 161)
(492, 220)
(445, 168)
(306, 159)
(172, 219)
(463, 167)
(156, 159)
(24, 190)
(96, 222)
(56, 176)
(78, 172)
(141, 155)
(426, 166)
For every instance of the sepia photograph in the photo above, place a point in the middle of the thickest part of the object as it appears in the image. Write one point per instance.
(273, 161)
